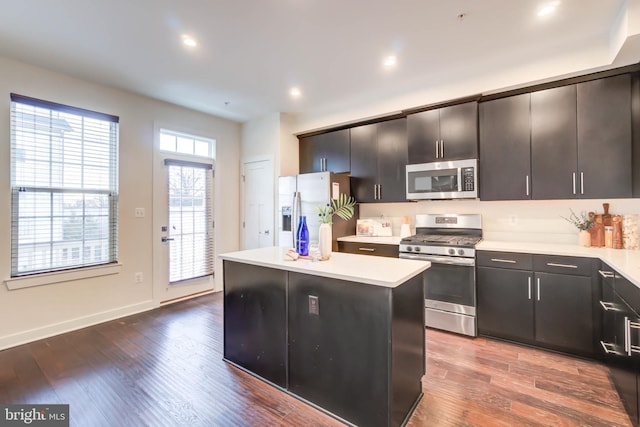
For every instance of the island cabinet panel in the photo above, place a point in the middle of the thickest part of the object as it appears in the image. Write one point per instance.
(341, 358)
(255, 320)
(505, 149)
(604, 137)
(635, 126)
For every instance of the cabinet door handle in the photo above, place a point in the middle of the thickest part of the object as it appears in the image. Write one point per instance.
(633, 348)
(437, 152)
(574, 183)
(627, 337)
(507, 261)
(608, 348)
(375, 191)
(553, 264)
(538, 282)
(606, 274)
(581, 182)
(379, 191)
(367, 249)
(527, 179)
(442, 148)
(608, 306)
(529, 283)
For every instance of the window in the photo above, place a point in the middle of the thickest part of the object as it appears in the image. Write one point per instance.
(190, 219)
(176, 142)
(64, 186)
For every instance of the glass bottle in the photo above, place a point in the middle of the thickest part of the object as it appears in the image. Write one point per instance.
(302, 246)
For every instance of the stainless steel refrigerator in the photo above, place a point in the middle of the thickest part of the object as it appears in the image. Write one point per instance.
(301, 195)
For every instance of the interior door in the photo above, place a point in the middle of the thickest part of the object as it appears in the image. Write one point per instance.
(257, 203)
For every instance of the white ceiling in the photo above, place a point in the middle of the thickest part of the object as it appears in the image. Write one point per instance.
(252, 51)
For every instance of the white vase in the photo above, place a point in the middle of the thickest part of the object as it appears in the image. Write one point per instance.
(325, 237)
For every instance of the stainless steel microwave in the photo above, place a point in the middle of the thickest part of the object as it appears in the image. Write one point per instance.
(456, 179)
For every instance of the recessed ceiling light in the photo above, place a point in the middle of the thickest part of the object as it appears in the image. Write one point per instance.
(295, 92)
(189, 41)
(389, 61)
(548, 8)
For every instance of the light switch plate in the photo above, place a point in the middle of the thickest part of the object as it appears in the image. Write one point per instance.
(314, 305)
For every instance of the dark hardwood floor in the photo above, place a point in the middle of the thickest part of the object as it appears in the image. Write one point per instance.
(165, 368)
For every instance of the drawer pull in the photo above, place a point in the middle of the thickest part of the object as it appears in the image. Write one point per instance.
(553, 264)
(506, 261)
(367, 249)
(606, 274)
(608, 348)
(608, 306)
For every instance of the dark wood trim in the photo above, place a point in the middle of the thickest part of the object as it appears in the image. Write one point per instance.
(482, 98)
(562, 82)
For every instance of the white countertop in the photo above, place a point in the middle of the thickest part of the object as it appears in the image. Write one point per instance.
(383, 240)
(372, 270)
(626, 262)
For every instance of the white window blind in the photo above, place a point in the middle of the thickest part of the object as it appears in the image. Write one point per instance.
(64, 187)
(190, 219)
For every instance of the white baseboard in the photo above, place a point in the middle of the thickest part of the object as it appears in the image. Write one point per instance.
(35, 334)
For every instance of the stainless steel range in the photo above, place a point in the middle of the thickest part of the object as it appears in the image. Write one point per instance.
(448, 241)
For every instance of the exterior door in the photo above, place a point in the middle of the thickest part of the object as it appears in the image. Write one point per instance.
(183, 227)
(257, 203)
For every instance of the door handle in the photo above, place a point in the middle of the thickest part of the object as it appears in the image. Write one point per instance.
(506, 261)
(538, 282)
(606, 274)
(581, 182)
(266, 232)
(529, 282)
(527, 182)
(574, 182)
(442, 148)
(166, 239)
(379, 191)
(437, 155)
(367, 249)
(553, 264)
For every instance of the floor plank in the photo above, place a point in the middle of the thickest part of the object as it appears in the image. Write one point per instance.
(165, 368)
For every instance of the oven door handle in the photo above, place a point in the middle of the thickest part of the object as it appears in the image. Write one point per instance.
(468, 262)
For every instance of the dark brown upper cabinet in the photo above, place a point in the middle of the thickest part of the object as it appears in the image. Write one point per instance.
(325, 152)
(581, 140)
(554, 143)
(378, 160)
(505, 148)
(447, 133)
(565, 142)
(604, 138)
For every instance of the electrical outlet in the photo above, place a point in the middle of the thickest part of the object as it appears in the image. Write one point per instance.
(138, 277)
(513, 220)
(314, 305)
(139, 213)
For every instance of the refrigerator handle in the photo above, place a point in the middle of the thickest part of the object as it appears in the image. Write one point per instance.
(295, 217)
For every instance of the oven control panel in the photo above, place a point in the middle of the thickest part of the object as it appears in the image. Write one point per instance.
(438, 250)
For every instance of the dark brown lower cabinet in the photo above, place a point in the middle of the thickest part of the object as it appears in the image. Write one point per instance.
(379, 249)
(538, 307)
(620, 343)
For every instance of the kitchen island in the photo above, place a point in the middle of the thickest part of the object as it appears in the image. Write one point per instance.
(345, 335)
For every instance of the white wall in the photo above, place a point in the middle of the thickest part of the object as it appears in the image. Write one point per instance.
(530, 220)
(36, 312)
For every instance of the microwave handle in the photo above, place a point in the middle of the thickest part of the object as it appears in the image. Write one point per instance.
(459, 179)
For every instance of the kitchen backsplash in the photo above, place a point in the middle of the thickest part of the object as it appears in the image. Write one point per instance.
(528, 220)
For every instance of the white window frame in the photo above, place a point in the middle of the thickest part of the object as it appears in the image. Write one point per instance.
(56, 272)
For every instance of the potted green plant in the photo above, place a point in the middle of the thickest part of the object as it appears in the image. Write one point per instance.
(583, 223)
(344, 207)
